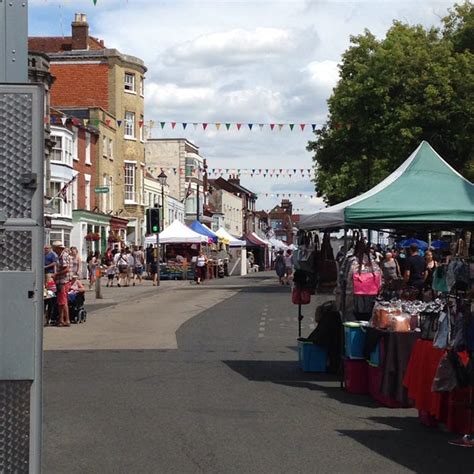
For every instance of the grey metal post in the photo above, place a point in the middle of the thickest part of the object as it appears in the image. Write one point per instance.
(21, 247)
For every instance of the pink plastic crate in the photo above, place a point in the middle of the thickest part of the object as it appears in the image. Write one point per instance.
(375, 375)
(356, 376)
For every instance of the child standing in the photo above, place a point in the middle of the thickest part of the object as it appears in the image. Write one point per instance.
(110, 272)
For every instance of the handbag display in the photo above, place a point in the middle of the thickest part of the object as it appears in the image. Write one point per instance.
(326, 265)
(300, 296)
(429, 325)
(368, 284)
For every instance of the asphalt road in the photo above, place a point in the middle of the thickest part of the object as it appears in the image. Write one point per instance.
(230, 399)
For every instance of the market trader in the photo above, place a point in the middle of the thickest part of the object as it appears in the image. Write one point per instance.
(415, 270)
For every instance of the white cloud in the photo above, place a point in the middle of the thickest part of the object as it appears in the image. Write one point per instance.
(235, 46)
(323, 74)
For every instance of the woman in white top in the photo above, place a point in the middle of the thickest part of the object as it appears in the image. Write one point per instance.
(200, 267)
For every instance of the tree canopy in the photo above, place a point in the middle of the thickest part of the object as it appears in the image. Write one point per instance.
(415, 84)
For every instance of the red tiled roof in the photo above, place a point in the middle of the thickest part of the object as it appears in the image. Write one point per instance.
(57, 44)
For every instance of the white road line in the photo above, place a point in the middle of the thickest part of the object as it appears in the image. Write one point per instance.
(261, 335)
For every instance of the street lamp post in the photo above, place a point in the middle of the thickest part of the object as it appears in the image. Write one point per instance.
(162, 180)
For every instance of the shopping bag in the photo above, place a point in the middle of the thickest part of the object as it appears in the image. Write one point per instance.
(367, 283)
(300, 296)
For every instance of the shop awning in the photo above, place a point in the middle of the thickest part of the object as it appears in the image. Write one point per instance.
(233, 241)
(424, 190)
(177, 233)
(254, 240)
(202, 229)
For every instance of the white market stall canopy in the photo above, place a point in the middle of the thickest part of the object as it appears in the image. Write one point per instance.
(278, 244)
(233, 241)
(177, 233)
(423, 190)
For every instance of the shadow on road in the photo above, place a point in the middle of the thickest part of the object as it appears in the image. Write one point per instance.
(408, 443)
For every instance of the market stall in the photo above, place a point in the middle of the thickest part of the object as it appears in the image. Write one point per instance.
(258, 252)
(424, 193)
(237, 251)
(179, 245)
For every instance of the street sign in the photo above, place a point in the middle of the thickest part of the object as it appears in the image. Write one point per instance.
(101, 190)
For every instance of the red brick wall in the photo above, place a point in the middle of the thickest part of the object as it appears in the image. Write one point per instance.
(91, 169)
(80, 85)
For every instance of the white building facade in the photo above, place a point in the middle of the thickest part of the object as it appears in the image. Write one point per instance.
(230, 206)
(183, 165)
(62, 173)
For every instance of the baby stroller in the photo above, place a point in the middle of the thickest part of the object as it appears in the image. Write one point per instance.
(77, 312)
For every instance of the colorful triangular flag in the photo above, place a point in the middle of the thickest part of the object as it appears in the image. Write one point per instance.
(184, 124)
(272, 126)
(313, 126)
(261, 126)
(63, 120)
(238, 126)
(119, 122)
(173, 124)
(302, 126)
(162, 124)
(227, 125)
(250, 126)
(292, 126)
(204, 126)
(218, 125)
(280, 126)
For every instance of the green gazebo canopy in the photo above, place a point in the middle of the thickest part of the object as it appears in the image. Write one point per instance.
(423, 191)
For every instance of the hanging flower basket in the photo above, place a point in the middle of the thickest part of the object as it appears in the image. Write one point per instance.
(114, 237)
(92, 236)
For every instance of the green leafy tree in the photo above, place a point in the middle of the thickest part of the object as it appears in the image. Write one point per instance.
(413, 85)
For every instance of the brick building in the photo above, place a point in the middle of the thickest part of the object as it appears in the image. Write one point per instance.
(106, 88)
(281, 223)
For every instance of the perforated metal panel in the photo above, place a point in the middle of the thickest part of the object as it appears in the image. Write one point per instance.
(16, 114)
(15, 250)
(14, 426)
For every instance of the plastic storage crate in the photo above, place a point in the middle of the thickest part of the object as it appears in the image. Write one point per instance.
(356, 376)
(312, 358)
(354, 336)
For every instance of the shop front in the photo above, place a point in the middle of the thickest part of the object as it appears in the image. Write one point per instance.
(89, 233)
(118, 232)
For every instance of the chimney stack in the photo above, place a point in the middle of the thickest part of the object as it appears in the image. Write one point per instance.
(80, 32)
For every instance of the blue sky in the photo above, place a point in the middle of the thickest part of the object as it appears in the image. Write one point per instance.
(266, 61)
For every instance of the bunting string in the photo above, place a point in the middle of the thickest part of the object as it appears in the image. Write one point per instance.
(237, 172)
(236, 126)
(217, 126)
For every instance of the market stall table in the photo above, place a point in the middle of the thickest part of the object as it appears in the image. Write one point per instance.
(397, 349)
(449, 408)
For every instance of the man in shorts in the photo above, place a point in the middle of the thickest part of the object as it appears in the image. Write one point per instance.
(62, 278)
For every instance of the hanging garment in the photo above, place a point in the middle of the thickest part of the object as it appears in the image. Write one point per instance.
(445, 378)
(439, 279)
(442, 334)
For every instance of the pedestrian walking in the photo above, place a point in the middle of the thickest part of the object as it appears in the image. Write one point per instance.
(201, 262)
(280, 266)
(111, 271)
(76, 261)
(92, 266)
(131, 267)
(121, 262)
(62, 278)
(50, 260)
(139, 260)
(288, 266)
